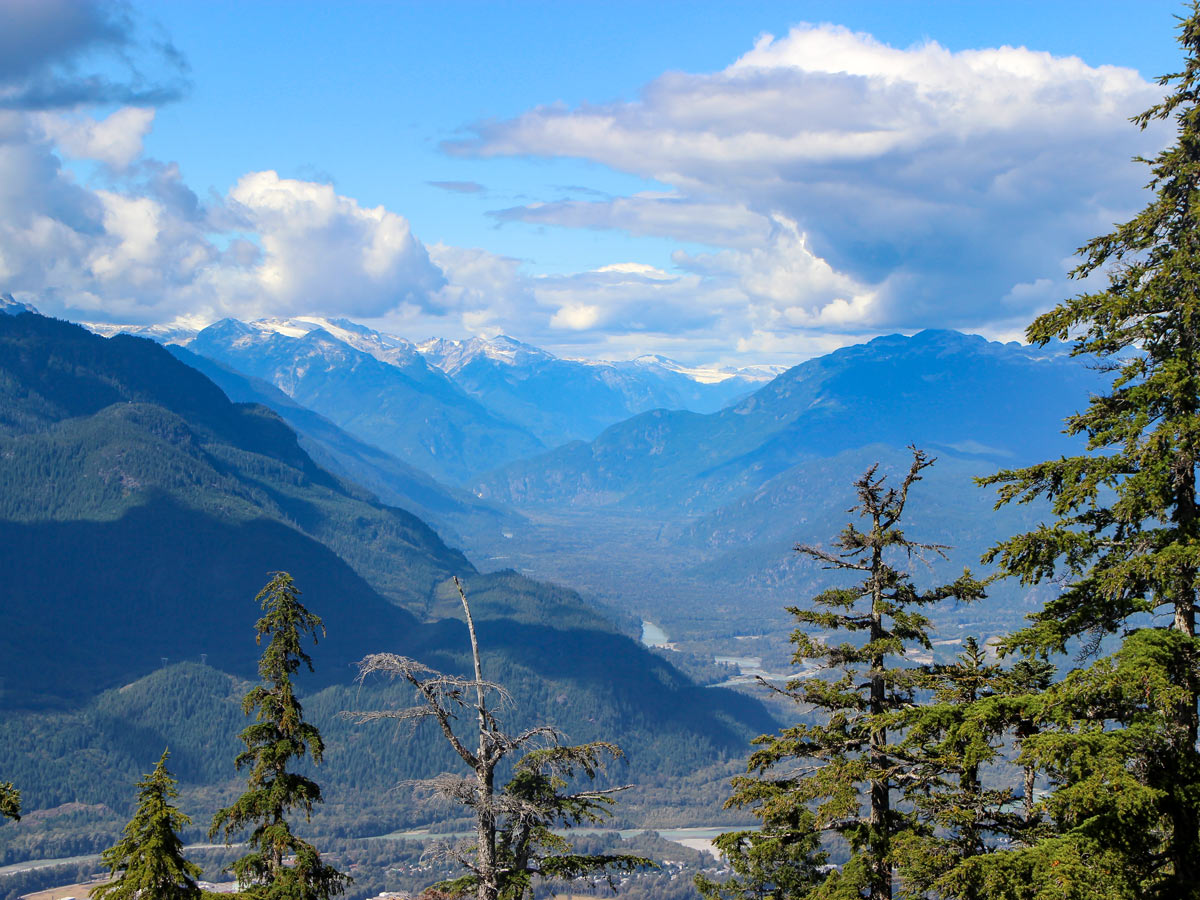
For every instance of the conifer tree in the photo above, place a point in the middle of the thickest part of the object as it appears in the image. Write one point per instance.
(10, 801)
(279, 866)
(851, 768)
(957, 732)
(1126, 534)
(148, 861)
(782, 861)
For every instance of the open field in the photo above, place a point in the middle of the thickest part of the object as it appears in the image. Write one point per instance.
(78, 891)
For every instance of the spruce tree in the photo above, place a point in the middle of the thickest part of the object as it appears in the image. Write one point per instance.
(850, 769)
(1126, 534)
(782, 861)
(279, 866)
(148, 861)
(955, 741)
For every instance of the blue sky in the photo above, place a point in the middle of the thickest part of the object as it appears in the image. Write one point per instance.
(601, 179)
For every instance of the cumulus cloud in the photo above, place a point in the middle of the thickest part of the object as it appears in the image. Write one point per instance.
(826, 187)
(115, 140)
(321, 250)
(936, 181)
(145, 248)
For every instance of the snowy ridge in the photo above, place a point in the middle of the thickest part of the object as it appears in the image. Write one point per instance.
(451, 356)
(759, 374)
(164, 334)
(12, 307)
(386, 348)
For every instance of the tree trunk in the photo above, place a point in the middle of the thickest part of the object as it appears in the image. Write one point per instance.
(485, 833)
(1184, 823)
(881, 879)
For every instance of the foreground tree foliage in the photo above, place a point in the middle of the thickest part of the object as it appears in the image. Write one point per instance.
(514, 843)
(148, 861)
(10, 801)
(279, 866)
(971, 712)
(843, 774)
(1120, 746)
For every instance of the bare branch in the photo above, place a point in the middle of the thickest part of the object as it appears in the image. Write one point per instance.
(832, 560)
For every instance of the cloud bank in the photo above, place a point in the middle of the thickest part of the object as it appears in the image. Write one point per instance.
(846, 181)
(822, 188)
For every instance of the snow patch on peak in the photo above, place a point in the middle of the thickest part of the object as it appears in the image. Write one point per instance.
(709, 374)
(179, 332)
(10, 306)
(387, 348)
(452, 356)
(293, 328)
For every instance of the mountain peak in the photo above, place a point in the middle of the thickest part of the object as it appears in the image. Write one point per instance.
(452, 356)
(12, 307)
(709, 374)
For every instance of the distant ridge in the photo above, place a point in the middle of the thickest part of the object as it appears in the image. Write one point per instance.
(141, 510)
(553, 399)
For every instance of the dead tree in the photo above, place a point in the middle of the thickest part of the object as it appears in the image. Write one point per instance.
(514, 841)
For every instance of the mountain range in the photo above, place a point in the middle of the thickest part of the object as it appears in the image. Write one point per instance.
(141, 510)
(146, 492)
(392, 399)
(560, 400)
(691, 518)
(527, 399)
(687, 516)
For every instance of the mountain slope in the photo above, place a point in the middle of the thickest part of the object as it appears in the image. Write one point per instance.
(454, 513)
(411, 411)
(949, 393)
(141, 509)
(690, 520)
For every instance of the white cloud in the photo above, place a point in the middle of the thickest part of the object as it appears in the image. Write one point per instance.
(929, 182)
(115, 140)
(786, 283)
(144, 248)
(322, 251)
(839, 188)
(656, 215)
(576, 317)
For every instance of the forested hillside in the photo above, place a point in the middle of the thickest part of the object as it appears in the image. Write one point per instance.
(142, 512)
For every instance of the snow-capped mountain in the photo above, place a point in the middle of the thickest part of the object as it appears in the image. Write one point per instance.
(521, 387)
(383, 394)
(178, 335)
(747, 375)
(388, 348)
(11, 307)
(452, 356)
(562, 399)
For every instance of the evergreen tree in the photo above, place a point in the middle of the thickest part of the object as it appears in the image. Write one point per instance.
(148, 861)
(10, 801)
(782, 861)
(851, 766)
(1126, 537)
(950, 740)
(279, 866)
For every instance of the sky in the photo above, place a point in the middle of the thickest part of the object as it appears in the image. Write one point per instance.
(728, 182)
